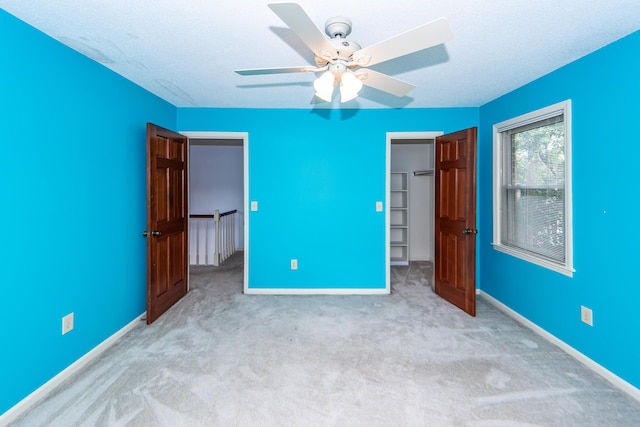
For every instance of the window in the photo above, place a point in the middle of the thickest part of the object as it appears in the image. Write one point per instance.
(532, 187)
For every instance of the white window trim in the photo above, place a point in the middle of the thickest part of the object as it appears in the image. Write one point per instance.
(563, 107)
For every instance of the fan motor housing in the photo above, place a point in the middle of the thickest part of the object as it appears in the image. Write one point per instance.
(338, 28)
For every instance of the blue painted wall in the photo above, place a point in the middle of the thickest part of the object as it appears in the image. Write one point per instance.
(317, 176)
(605, 91)
(73, 204)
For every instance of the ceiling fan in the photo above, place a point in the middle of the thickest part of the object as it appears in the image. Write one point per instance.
(342, 61)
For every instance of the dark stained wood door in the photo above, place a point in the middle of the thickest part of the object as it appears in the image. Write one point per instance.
(455, 219)
(167, 262)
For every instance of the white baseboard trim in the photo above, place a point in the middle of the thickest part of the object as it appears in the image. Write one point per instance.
(589, 363)
(315, 291)
(23, 406)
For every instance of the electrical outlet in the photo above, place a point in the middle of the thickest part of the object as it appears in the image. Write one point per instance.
(586, 315)
(294, 264)
(67, 323)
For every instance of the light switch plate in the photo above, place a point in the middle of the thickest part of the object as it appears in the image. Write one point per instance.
(378, 206)
(254, 206)
(67, 323)
(586, 315)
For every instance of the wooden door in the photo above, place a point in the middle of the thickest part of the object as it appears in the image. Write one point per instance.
(167, 262)
(455, 219)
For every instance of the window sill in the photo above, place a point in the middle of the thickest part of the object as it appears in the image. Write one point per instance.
(550, 265)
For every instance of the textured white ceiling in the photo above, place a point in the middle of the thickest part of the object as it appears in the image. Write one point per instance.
(186, 51)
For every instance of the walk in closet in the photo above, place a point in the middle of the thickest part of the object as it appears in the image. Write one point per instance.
(411, 200)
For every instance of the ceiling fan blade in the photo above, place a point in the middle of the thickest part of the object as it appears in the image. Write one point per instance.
(384, 82)
(297, 19)
(425, 36)
(280, 70)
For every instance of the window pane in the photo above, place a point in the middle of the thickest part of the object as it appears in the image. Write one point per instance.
(536, 222)
(534, 191)
(538, 154)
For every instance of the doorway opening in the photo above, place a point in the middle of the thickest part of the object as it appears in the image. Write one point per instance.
(410, 199)
(218, 181)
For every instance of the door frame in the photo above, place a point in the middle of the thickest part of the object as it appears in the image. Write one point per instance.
(244, 136)
(387, 219)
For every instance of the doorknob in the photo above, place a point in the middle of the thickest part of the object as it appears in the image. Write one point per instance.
(469, 231)
(145, 233)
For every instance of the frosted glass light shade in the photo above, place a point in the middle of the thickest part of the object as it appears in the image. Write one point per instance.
(324, 86)
(350, 85)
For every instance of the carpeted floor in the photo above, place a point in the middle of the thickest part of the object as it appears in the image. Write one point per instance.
(221, 358)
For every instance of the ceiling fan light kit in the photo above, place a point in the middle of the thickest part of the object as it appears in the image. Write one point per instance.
(339, 59)
(338, 74)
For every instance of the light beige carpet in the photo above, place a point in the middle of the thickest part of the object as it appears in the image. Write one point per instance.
(221, 358)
